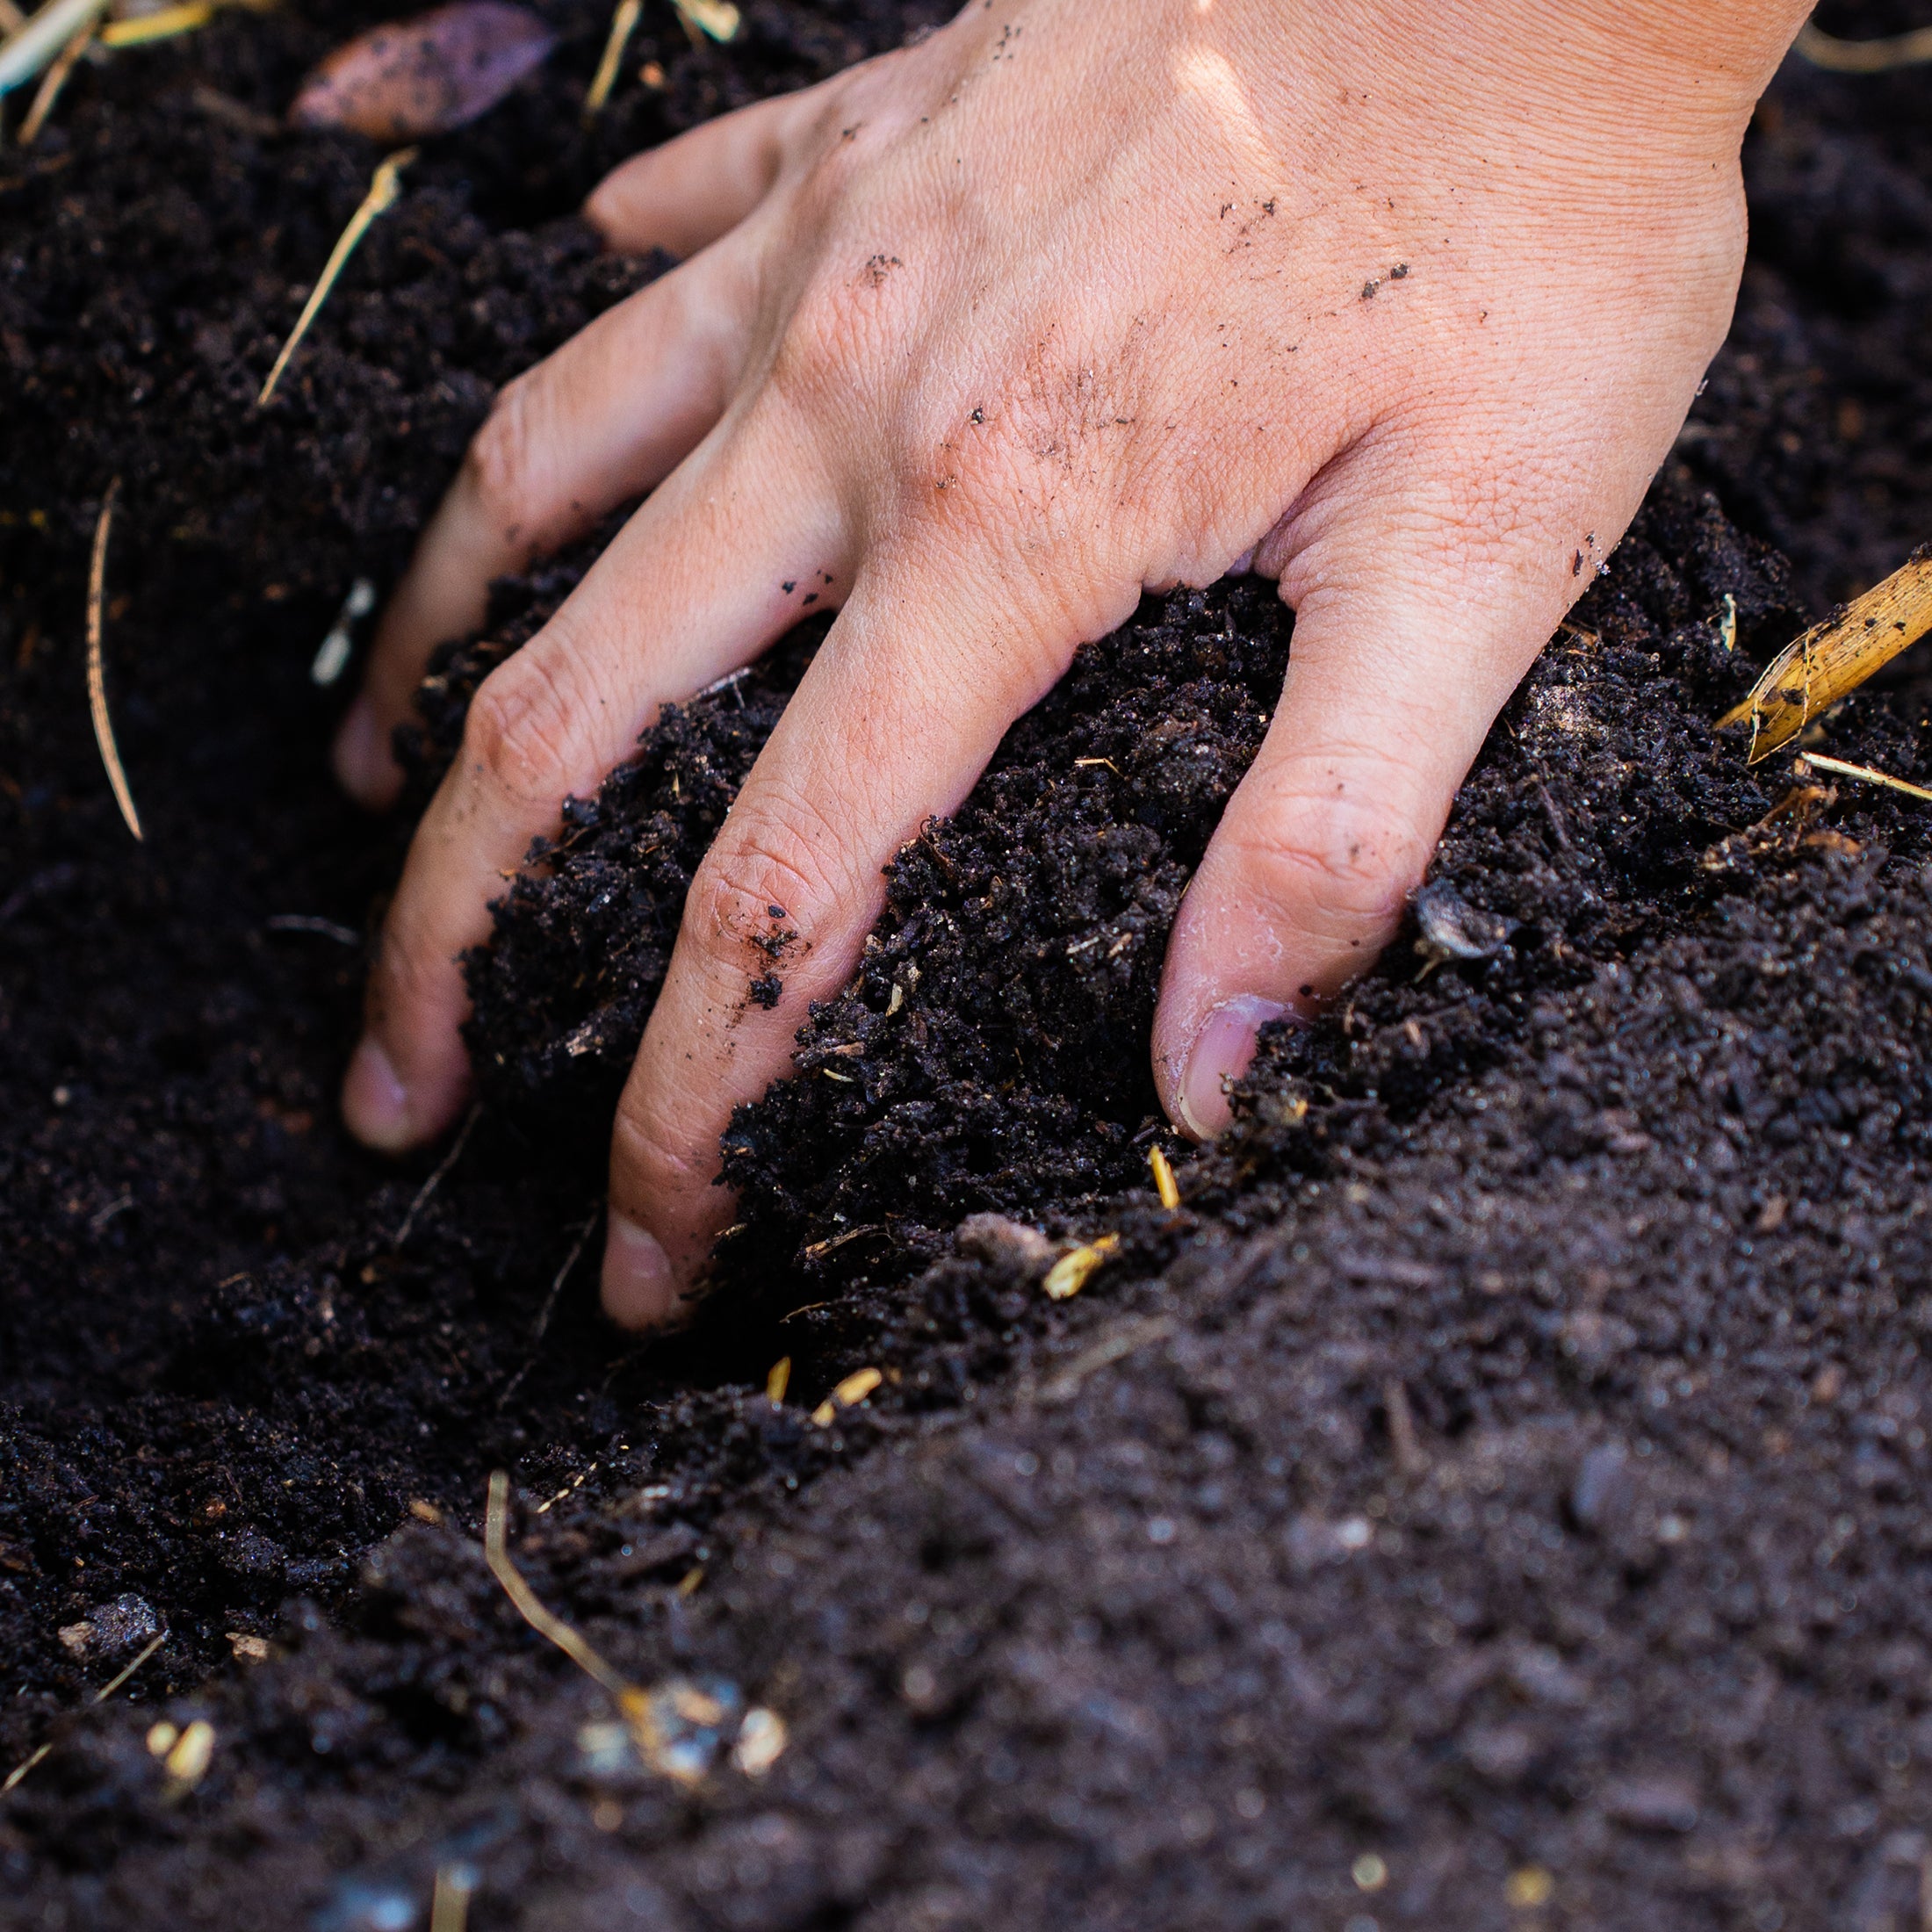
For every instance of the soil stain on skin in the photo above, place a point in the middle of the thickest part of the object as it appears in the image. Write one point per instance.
(1494, 1495)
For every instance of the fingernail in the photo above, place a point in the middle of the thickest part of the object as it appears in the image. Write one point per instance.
(375, 1102)
(639, 1289)
(361, 758)
(1220, 1054)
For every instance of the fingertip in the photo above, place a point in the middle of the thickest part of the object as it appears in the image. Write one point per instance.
(640, 1287)
(365, 767)
(1219, 1053)
(375, 1101)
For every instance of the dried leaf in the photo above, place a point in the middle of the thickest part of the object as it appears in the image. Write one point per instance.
(411, 78)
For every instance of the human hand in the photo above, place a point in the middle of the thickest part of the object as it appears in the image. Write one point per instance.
(1403, 300)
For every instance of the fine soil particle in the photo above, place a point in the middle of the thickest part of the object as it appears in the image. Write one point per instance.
(1495, 1496)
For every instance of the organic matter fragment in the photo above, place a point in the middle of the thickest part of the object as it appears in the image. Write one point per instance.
(97, 676)
(1834, 658)
(385, 186)
(51, 86)
(44, 36)
(409, 79)
(853, 1390)
(1069, 1274)
(138, 29)
(623, 23)
(1870, 773)
(1876, 56)
(718, 18)
(1165, 1184)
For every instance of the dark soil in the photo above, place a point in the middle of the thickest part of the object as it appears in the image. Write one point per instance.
(1494, 1497)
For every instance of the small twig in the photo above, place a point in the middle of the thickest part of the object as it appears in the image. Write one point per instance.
(40, 38)
(434, 1181)
(100, 1697)
(1881, 56)
(623, 23)
(1813, 673)
(97, 676)
(384, 188)
(56, 79)
(1869, 774)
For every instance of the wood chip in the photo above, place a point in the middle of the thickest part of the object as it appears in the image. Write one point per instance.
(1834, 658)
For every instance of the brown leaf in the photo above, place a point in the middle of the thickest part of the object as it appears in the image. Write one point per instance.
(409, 78)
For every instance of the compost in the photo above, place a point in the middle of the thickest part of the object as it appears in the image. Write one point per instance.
(1494, 1496)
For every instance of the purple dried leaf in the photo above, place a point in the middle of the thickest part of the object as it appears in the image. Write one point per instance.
(409, 78)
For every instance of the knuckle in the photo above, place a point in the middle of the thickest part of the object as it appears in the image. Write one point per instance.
(521, 734)
(1335, 854)
(752, 869)
(503, 467)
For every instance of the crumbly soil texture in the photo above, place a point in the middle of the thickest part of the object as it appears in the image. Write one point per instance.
(1494, 1497)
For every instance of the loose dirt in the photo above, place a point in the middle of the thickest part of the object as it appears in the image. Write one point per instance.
(1493, 1498)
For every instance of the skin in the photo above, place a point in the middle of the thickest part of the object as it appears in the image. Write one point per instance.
(1398, 302)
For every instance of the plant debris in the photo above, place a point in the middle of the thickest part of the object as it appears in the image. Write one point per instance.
(720, 18)
(1165, 1184)
(623, 23)
(97, 675)
(385, 186)
(1875, 56)
(52, 30)
(1834, 658)
(1870, 775)
(407, 80)
(1071, 1272)
(51, 86)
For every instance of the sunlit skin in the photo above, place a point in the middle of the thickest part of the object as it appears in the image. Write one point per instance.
(1397, 302)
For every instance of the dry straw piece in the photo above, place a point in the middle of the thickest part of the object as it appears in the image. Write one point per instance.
(97, 676)
(55, 80)
(1165, 1184)
(1869, 774)
(100, 1697)
(51, 30)
(623, 23)
(384, 188)
(141, 28)
(1827, 50)
(1836, 657)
